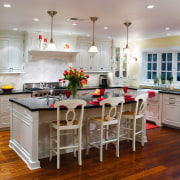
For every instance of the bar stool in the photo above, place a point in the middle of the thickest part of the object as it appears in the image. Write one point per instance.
(100, 135)
(131, 118)
(62, 126)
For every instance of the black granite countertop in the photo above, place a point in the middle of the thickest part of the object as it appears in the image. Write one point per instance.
(40, 103)
(14, 92)
(170, 92)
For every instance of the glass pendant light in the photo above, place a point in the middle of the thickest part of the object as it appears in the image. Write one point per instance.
(93, 47)
(126, 50)
(51, 46)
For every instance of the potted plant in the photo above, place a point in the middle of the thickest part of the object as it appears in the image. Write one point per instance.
(156, 80)
(162, 79)
(170, 79)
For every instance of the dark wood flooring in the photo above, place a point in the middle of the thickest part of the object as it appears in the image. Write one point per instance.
(158, 159)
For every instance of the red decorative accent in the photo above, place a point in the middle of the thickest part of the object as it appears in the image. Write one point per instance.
(40, 37)
(102, 91)
(100, 99)
(125, 89)
(66, 46)
(68, 93)
(150, 125)
(93, 102)
(151, 94)
(45, 39)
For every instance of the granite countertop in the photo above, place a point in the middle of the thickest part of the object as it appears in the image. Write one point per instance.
(40, 103)
(170, 92)
(14, 92)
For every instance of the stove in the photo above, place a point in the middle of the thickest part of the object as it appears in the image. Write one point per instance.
(39, 89)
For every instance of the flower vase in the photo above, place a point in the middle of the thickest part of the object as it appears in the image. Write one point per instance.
(74, 91)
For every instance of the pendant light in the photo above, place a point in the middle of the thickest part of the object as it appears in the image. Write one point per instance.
(93, 47)
(51, 46)
(126, 50)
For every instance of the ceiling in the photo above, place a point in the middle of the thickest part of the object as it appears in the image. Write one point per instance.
(146, 23)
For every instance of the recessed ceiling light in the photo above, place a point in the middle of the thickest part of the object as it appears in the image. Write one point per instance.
(7, 5)
(15, 29)
(36, 19)
(150, 6)
(106, 27)
(74, 24)
(167, 28)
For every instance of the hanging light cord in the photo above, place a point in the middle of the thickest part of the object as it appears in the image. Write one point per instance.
(51, 41)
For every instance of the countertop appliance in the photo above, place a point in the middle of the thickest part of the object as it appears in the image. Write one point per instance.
(44, 89)
(103, 81)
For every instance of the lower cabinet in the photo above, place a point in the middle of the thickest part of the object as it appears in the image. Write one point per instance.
(171, 109)
(5, 107)
(152, 112)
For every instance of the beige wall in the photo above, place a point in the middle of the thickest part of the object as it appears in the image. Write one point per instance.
(137, 46)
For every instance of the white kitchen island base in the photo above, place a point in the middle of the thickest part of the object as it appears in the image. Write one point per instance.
(30, 132)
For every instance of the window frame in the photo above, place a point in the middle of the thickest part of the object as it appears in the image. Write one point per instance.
(159, 51)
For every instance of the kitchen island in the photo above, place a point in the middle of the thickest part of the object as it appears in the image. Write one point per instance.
(30, 118)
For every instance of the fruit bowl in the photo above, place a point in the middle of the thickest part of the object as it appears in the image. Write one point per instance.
(7, 90)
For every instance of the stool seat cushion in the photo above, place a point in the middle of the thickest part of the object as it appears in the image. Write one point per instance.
(99, 118)
(64, 123)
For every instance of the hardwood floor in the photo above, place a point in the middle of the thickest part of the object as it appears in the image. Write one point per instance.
(158, 159)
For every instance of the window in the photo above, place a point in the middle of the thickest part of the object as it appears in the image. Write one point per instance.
(151, 66)
(166, 65)
(160, 62)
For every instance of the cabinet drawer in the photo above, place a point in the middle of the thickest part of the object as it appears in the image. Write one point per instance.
(171, 99)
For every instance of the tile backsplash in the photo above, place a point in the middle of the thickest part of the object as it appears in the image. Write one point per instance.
(45, 70)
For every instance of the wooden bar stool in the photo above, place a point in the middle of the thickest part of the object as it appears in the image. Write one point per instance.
(62, 128)
(99, 134)
(131, 118)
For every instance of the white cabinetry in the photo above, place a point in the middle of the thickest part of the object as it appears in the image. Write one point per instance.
(98, 62)
(11, 55)
(171, 109)
(152, 112)
(5, 108)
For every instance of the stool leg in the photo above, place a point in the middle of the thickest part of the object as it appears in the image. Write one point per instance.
(79, 146)
(107, 135)
(142, 134)
(50, 143)
(101, 144)
(87, 137)
(74, 140)
(134, 134)
(58, 146)
(117, 140)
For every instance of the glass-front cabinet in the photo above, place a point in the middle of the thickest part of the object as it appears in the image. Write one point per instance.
(120, 63)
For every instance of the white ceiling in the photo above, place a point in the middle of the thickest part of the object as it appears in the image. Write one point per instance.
(146, 23)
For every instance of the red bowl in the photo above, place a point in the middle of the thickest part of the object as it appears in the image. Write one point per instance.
(127, 95)
(7, 90)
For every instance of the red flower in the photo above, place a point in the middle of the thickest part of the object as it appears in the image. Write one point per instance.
(77, 71)
(64, 81)
(87, 76)
(82, 70)
(81, 74)
(74, 69)
(70, 72)
(60, 79)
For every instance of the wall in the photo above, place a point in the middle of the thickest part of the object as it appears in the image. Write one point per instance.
(137, 46)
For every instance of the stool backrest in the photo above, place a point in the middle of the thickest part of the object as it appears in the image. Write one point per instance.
(70, 115)
(141, 104)
(113, 111)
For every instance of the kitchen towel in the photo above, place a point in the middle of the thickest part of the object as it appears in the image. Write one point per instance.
(151, 94)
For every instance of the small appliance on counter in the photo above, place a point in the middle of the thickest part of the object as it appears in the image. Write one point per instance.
(103, 81)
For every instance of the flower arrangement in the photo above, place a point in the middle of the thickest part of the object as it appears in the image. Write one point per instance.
(76, 79)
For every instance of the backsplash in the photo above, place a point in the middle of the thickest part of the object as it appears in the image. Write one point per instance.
(46, 70)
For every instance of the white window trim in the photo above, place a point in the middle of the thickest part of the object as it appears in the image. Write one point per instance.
(158, 51)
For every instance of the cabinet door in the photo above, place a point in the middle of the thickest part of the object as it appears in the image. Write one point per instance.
(105, 57)
(4, 54)
(152, 111)
(83, 58)
(17, 59)
(171, 114)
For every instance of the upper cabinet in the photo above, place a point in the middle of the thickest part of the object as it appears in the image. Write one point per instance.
(11, 54)
(94, 62)
(120, 64)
